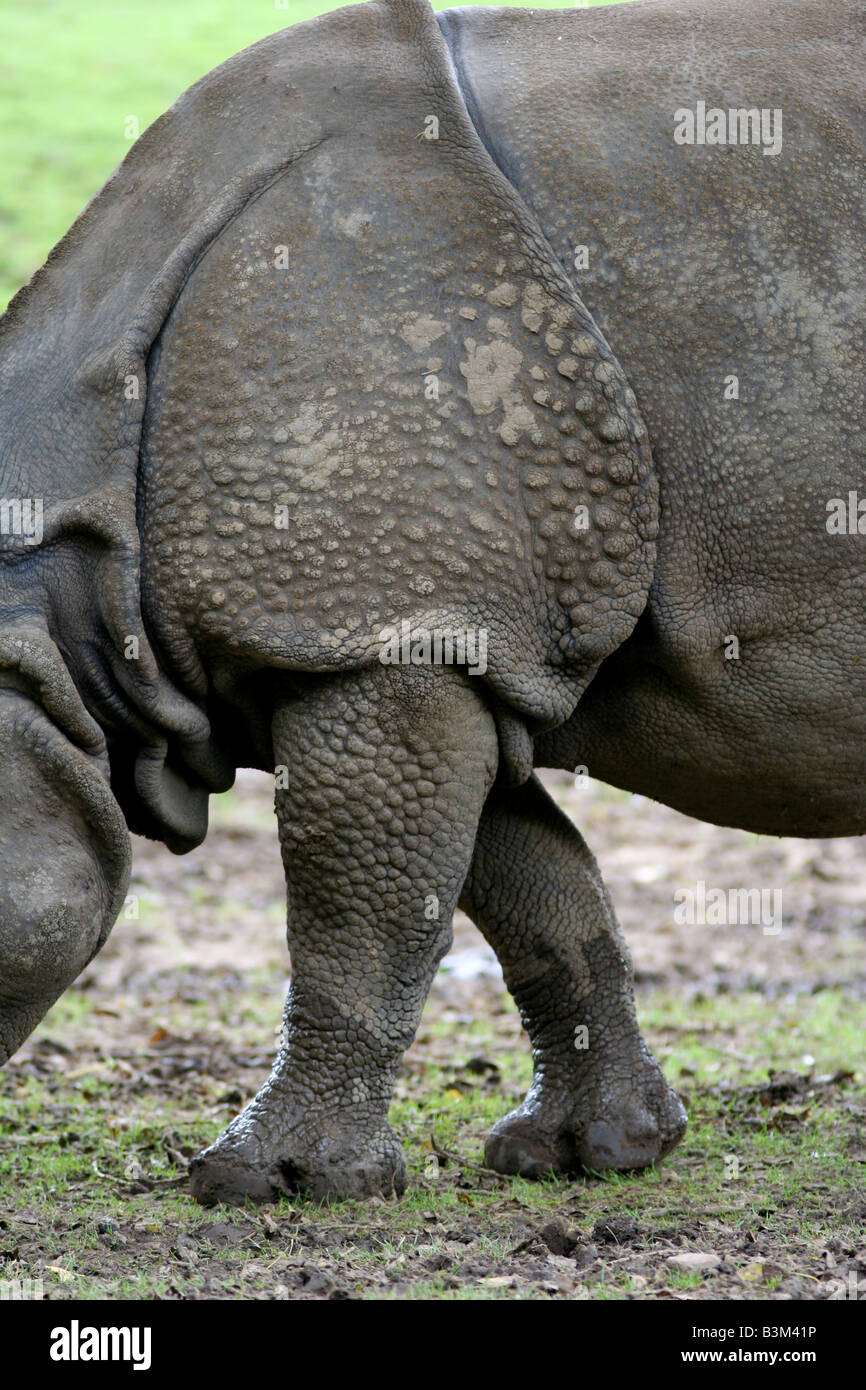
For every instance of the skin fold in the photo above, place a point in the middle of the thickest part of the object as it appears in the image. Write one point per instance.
(427, 321)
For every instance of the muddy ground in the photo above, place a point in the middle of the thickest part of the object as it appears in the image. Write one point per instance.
(171, 1029)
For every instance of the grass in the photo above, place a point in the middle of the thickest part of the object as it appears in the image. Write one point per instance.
(93, 1147)
(72, 74)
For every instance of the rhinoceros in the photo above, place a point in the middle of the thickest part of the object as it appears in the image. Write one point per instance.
(428, 398)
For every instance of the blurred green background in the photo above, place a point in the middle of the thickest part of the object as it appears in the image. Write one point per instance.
(72, 71)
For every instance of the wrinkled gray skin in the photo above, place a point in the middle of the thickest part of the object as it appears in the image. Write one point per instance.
(173, 381)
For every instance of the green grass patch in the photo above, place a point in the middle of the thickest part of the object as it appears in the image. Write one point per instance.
(71, 75)
(94, 1143)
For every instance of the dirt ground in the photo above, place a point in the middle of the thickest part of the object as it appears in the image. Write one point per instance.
(171, 1029)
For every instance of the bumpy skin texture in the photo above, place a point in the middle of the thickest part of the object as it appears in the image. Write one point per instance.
(705, 262)
(289, 302)
(598, 1099)
(388, 776)
(303, 385)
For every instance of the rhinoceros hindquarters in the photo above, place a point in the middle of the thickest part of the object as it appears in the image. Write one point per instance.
(379, 400)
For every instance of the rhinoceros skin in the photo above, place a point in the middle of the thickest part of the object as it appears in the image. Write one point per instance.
(402, 327)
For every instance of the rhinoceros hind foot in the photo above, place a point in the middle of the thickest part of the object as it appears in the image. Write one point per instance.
(519, 1147)
(631, 1135)
(236, 1172)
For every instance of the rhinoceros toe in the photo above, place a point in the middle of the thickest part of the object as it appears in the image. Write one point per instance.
(246, 1165)
(628, 1131)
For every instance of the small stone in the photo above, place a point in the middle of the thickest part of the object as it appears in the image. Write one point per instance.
(694, 1260)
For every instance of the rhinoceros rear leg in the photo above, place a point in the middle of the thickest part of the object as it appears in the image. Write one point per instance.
(387, 771)
(598, 1099)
